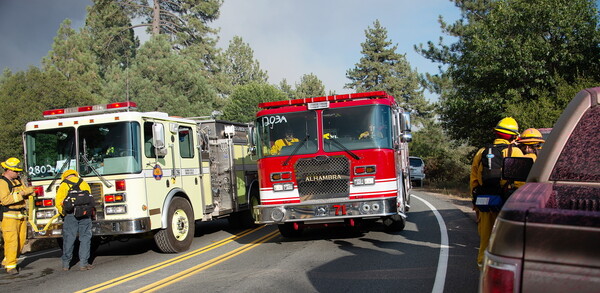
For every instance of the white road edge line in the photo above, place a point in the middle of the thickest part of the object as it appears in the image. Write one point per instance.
(440, 275)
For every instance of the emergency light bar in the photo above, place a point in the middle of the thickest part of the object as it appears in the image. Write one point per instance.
(87, 110)
(323, 102)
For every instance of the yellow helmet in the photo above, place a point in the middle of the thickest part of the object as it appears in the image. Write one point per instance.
(508, 125)
(12, 164)
(531, 136)
(67, 173)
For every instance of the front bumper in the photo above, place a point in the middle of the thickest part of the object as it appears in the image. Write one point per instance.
(101, 228)
(316, 212)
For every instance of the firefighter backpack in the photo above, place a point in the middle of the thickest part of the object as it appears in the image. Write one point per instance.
(10, 187)
(491, 195)
(78, 202)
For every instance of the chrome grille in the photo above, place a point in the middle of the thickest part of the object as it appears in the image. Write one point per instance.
(323, 177)
(97, 192)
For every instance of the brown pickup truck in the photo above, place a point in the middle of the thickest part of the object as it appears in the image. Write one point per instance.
(547, 236)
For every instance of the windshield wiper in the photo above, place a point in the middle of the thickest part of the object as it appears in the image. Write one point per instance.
(89, 165)
(296, 150)
(59, 173)
(341, 146)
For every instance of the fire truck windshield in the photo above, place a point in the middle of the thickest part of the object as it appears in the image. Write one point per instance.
(111, 148)
(355, 128)
(278, 135)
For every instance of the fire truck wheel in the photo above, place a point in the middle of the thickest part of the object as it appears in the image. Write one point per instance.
(394, 223)
(178, 235)
(289, 231)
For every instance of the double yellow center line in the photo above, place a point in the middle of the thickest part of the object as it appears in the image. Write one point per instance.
(205, 265)
(188, 272)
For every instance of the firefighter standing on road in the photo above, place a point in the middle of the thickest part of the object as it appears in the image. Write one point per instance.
(13, 196)
(72, 226)
(530, 142)
(506, 131)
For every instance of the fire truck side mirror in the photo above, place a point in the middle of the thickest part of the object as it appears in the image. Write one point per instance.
(252, 140)
(158, 139)
(405, 122)
(407, 137)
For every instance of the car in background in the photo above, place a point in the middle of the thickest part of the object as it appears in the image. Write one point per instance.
(417, 170)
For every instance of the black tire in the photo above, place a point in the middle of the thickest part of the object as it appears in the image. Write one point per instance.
(179, 234)
(394, 223)
(287, 230)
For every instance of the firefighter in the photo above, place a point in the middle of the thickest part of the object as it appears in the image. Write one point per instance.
(13, 196)
(288, 140)
(505, 132)
(73, 226)
(371, 133)
(530, 142)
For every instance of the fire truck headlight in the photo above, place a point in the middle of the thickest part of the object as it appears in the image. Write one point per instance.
(283, 186)
(277, 214)
(45, 214)
(363, 181)
(117, 209)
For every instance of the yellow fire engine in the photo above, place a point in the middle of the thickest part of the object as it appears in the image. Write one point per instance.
(150, 173)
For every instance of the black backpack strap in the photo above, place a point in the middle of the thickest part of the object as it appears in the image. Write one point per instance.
(73, 185)
(9, 182)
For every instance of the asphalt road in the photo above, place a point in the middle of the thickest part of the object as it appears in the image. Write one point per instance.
(436, 252)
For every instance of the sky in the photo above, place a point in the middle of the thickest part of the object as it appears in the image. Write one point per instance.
(290, 38)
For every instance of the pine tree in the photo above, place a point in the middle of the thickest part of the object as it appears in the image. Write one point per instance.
(285, 87)
(240, 64)
(186, 23)
(113, 40)
(310, 86)
(382, 69)
(159, 79)
(244, 101)
(72, 56)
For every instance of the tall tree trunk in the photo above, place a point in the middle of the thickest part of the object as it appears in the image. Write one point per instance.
(156, 18)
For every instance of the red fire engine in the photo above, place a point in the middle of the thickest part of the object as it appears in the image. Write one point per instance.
(332, 160)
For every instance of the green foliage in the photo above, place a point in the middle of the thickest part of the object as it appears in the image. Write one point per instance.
(244, 101)
(186, 23)
(72, 56)
(112, 38)
(159, 79)
(25, 95)
(513, 58)
(447, 162)
(382, 69)
(310, 86)
(240, 64)
(285, 87)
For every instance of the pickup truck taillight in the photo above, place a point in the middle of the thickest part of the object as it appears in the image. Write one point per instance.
(500, 274)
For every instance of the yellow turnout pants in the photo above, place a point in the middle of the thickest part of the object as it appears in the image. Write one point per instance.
(485, 223)
(14, 231)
